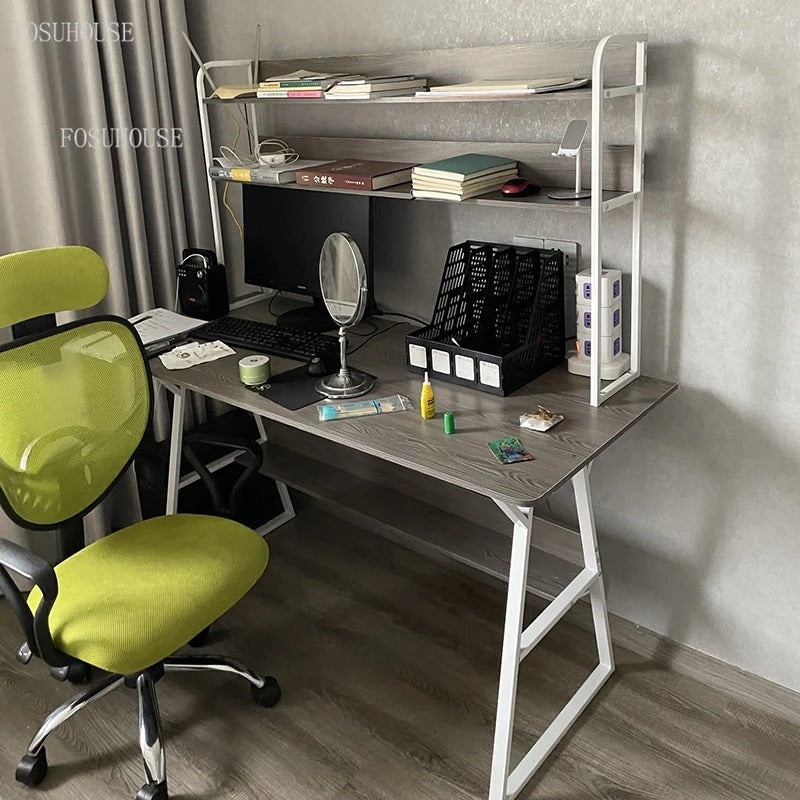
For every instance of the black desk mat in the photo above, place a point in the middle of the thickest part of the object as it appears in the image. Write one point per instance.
(293, 389)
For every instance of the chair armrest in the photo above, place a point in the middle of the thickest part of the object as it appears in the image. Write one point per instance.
(252, 457)
(36, 626)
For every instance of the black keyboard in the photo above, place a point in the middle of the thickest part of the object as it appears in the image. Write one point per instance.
(274, 340)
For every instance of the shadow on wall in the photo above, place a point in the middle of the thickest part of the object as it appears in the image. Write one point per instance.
(673, 573)
(666, 173)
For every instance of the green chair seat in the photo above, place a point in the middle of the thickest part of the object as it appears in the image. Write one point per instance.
(133, 598)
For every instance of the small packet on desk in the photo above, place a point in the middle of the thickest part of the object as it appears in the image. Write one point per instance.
(191, 353)
(361, 408)
(541, 420)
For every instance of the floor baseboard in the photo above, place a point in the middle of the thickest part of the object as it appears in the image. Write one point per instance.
(765, 695)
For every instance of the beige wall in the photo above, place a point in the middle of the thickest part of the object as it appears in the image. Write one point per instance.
(699, 507)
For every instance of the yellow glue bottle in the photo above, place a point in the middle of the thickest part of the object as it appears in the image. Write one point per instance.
(427, 403)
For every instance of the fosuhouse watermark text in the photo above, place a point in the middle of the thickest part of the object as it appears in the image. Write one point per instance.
(120, 137)
(47, 31)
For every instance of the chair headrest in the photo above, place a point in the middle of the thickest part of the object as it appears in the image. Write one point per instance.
(44, 281)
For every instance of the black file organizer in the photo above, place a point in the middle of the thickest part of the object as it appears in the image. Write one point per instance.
(498, 321)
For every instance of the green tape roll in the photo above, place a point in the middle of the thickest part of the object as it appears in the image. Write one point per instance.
(254, 370)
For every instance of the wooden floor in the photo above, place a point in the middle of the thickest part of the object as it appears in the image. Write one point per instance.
(389, 665)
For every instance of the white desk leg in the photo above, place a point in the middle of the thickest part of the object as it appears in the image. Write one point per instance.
(283, 491)
(175, 448)
(509, 665)
(517, 643)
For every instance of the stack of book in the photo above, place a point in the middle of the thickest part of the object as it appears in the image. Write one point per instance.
(300, 84)
(461, 177)
(375, 88)
(352, 173)
(499, 88)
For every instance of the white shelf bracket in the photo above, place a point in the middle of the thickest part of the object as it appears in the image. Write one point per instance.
(597, 393)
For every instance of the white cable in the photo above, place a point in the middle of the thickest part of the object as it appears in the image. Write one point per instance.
(280, 153)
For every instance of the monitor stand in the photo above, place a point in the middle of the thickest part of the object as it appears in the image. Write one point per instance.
(309, 318)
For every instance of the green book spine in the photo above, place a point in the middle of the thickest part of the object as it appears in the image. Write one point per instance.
(300, 84)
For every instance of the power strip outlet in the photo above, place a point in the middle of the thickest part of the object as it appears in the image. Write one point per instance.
(572, 265)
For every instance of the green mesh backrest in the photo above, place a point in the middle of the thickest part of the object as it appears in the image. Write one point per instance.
(74, 405)
(38, 282)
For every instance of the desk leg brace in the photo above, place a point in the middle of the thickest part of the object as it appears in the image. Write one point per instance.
(176, 482)
(517, 643)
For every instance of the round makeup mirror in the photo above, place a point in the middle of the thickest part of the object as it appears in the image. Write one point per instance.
(343, 282)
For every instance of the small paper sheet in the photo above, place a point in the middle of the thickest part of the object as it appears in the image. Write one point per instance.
(192, 353)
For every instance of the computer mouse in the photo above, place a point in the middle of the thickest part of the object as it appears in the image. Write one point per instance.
(519, 187)
(317, 366)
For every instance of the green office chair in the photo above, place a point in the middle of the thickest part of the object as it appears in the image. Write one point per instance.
(74, 404)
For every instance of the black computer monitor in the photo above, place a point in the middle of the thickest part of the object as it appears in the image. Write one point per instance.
(284, 230)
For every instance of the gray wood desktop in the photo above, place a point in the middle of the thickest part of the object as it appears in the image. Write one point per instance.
(464, 460)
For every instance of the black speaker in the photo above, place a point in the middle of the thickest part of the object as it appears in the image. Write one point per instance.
(202, 288)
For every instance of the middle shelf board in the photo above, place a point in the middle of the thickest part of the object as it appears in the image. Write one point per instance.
(535, 161)
(403, 192)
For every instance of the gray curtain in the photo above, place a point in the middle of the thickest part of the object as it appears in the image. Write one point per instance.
(136, 198)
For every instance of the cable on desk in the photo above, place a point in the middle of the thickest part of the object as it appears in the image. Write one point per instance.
(352, 332)
(373, 335)
(407, 316)
(272, 300)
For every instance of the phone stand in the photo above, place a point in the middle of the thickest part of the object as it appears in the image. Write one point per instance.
(570, 147)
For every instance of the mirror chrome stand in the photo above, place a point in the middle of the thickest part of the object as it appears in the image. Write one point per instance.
(345, 382)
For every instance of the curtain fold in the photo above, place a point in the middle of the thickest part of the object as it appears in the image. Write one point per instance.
(135, 202)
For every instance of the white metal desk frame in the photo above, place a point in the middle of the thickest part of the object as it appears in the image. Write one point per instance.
(505, 783)
(599, 207)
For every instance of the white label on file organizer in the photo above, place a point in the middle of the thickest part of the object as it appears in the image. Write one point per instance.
(417, 356)
(441, 361)
(490, 374)
(465, 368)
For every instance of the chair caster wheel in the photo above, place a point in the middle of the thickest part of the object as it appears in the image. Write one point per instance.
(153, 791)
(79, 672)
(269, 694)
(201, 638)
(75, 672)
(32, 769)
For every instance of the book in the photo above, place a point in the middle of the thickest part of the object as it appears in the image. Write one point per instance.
(307, 84)
(232, 92)
(369, 95)
(375, 79)
(350, 173)
(502, 85)
(439, 95)
(375, 85)
(274, 175)
(469, 165)
(487, 182)
(293, 93)
(474, 191)
(304, 79)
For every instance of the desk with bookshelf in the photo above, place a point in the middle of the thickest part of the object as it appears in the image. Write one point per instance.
(617, 67)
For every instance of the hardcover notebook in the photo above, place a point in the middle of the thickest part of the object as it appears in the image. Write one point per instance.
(470, 165)
(350, 173)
